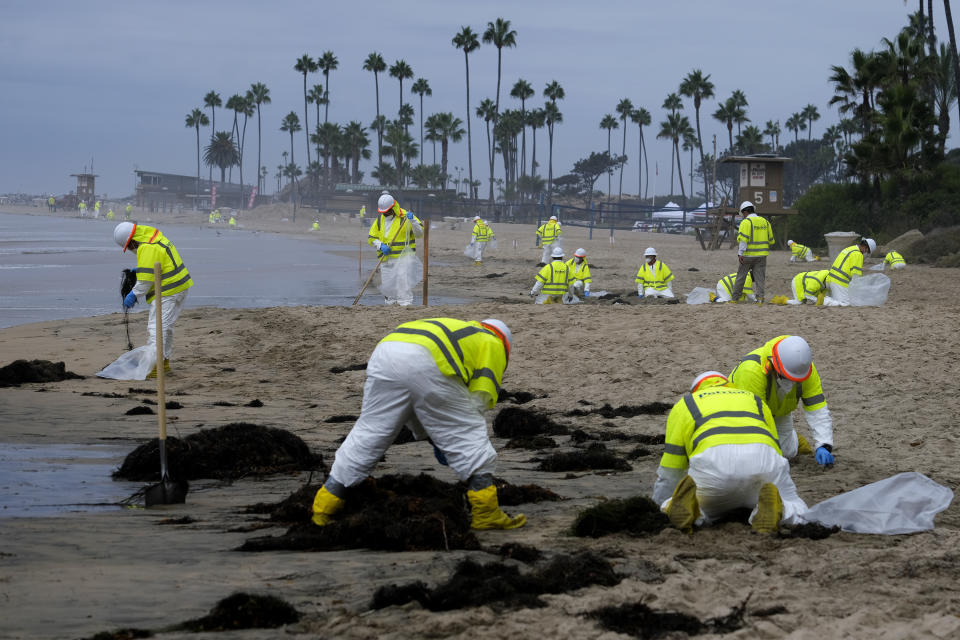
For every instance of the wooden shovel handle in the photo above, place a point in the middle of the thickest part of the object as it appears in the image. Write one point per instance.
(161, 395)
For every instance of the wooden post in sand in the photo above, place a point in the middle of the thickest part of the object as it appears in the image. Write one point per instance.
(360, 259)
(426, 259)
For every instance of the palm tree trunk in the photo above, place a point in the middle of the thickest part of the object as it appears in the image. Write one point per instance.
(197, 199)
(672, 155)
(376, 85)
(683, 192)
(953, 46)
(550, 170)
(609, 177)
(326, 98)
(699, 138)
(306, 123)
(533, 154)
(243, 138)
(490, 157)
(640, 164)
(261, 184)
(213, 128)
(421, 133)
(473, 195)
(523, 148)
(623, 153)
(444, 145)
(646, 165)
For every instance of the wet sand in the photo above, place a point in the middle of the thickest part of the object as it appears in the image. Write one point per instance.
(888, 374)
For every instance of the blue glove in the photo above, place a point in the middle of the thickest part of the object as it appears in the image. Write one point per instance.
(384, 249)
(409, 215)
(640, 297)
(824, 457)
(442, 459)
(130, 300)
(586, 294)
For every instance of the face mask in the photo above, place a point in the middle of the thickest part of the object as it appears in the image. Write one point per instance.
(784, 385)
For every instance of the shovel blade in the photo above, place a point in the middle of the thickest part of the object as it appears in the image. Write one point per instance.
(166, 491)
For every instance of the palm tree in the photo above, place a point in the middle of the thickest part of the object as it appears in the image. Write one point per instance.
(246, 107)
(689, 144)
(673, 129)
(221, 152)
(500, 35)
(326, 137)
(421, 87)
(317, 97)
(487, 111)
(401, 146)
(376, 64)
(212, 100)
(624, 108)
(552, 116)
(674, 104)
(751, 140)
(401, 71)
(261, 95)
(449, 128)
(291, 124)
(772, 129)
(740, 99)
(195, 120)
(641, 118)
(536, 118)
(796, 123)
(235, 104)
(466, 39)
(727, 114)
(697, 86)
(305, 64)
(327, 63)
(522, 90)
(953, 46)
(433, 133)
(358, 142)
(810, 114)
(609, 123)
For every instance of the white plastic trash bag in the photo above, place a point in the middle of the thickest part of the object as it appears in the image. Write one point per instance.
(493, 243)
(398, 277)
(699, 295)
(133, 365)
(877, 267)
(869, 291)
(904, 503)
(470, 251)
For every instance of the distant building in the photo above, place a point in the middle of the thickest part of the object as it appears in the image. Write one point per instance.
(86, 187)
(160, 191)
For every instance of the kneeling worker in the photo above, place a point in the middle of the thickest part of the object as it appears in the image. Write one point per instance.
(725, 289)
(809, 286)
(721, 453)
(800, 253)
(436, 376)
(579, 274)
(553, 279)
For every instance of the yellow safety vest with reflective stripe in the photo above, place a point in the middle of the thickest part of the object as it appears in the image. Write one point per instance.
(847, 266)
(727, 282)
(809, 283)
(713, 416)
(893, 258)
(799, 251)
(549, 232)
(578, 271)
(396, 234)
(758, 234)
(656, 277)
(755, 374)
(154, 247)
(461, 349)
(555, 278)
(481, 232)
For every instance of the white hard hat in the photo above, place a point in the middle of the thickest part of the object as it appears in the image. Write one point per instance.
(792, 358)
(649, 252)
(789, 243)
(123, 232)
(501, 330)
(580, 253)
(871, 244)
(746, 204)
(475, 218)
(553, 217)
(557, 252)
(385, 203)
(708, 379)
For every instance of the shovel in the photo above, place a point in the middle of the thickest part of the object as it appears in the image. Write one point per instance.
(167, 491)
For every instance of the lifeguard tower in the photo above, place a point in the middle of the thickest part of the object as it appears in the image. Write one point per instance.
(761, 182)
(86, 191)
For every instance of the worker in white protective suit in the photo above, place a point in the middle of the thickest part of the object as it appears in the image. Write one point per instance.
(549, 236)
(721, 453)
(725, 289)
(552, 281)
(783, 374)
(394, 235)
(436, 376)
(480, 238)
(579, 271)
(654, 277)
(846, 266)
(800, 253)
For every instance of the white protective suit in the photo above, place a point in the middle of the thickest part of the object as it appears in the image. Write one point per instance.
(404, 386)
(729, 476)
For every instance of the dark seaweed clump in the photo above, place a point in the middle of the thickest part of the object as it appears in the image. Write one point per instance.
(516, 397)
(516, 422)
(808, 530)
(637, 516)
(639, 620)
(534, 442)
(503, 587)
(596, 457)
(23, 371)
(244, 611)
(229, 452)
(624, 411)
(139, 411)
(510, 495)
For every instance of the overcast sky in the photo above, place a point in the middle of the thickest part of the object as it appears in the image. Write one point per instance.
(112, 82)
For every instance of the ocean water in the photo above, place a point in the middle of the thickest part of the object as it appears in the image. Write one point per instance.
(57, 268)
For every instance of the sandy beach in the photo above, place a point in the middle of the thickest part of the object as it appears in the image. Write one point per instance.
(887, 374)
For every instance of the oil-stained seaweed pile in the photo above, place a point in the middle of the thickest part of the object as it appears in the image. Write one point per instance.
(579, 436)
(229, 452)
(349, 367)
(502, 587)
(808, 530)
(637, 516)
(516, 397)
(522, 552)
(534, 442)
(23, 371)
(640, 621)
(624, 411)
(511, 495)
(516, 422)
(593, 458)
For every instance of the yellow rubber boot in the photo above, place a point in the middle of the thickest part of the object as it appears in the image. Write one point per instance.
(166, 368)
(684, 509)
(325, 506)
(803, 447)
(769, 510)
(487, 513)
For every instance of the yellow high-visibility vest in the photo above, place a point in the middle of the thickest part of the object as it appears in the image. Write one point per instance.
(555, 278)
(579, 271)
(893, 258)
(154, 247)
(758, 234)
(809, 283)
(656, 277)
(481, 232)
(395, 232)
(755, 374)
(549, 232)
(728, 281)
(846, 266)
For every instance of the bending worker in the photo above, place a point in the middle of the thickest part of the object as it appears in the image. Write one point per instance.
(654, 277)
(553, 280)
(782, 373)
(436, 376)
(755, 236)
(721, 453)
(549, 235)
(480, 238)
(579, 272)
(725, 289)
(894, 260)
(809, 286)
(800, 253)
(152, 247)
(846, 266)
(394, 234)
